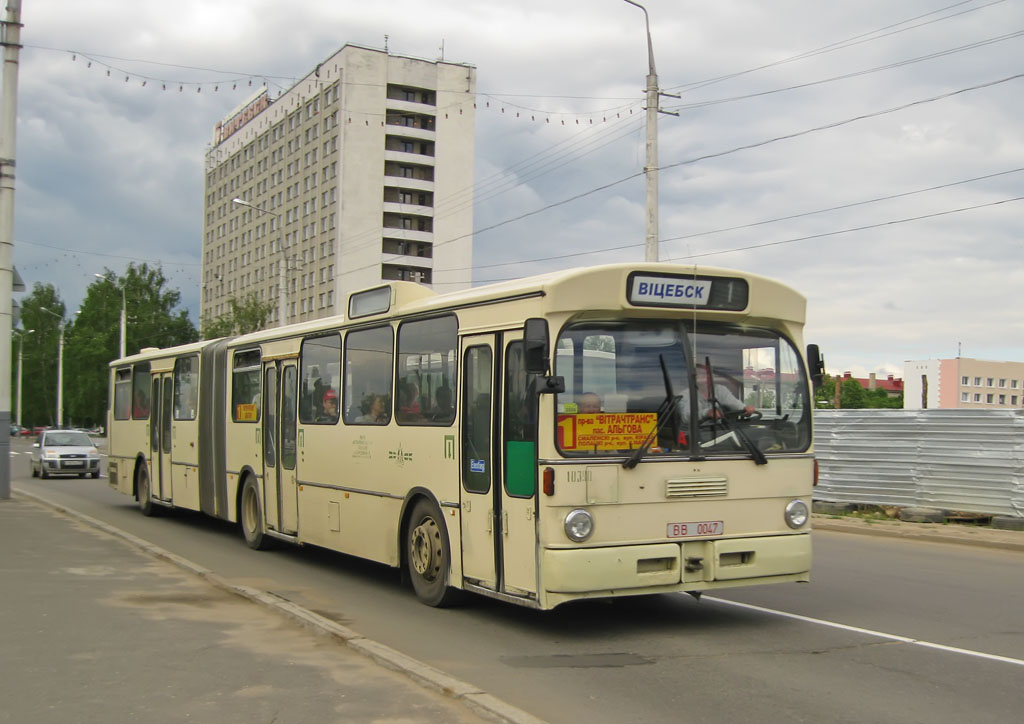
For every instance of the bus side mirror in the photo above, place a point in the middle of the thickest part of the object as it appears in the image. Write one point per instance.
(537, 350)
(536, 346)
(816, 365)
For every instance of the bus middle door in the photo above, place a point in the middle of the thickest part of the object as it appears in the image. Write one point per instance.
(160, 436)
(279, 481)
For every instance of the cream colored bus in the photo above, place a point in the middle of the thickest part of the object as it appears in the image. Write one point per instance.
(605, 431)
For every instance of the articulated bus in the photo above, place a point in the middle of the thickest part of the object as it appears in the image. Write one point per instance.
(606, 431)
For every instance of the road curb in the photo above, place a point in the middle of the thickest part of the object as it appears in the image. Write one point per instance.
(929, 532)
(426, 676)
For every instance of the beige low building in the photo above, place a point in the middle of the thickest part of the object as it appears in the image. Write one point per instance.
(361, 171)
(962, 383)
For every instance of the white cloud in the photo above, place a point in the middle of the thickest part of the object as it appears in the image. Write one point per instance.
(111, 167)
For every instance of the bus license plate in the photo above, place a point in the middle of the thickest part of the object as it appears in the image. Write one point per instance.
(695, 530)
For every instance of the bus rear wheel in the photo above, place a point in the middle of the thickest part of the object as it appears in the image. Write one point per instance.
(428, 558)
(251, 516)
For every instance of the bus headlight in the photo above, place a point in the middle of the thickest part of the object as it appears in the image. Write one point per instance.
(797, 513)
(579, 524)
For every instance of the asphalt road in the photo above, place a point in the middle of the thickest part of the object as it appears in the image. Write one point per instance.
(888, 630)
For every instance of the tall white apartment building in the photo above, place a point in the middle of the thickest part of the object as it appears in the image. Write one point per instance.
(361, 171)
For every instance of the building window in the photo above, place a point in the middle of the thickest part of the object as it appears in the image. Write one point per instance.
(988, 398)
(1002, 382)
(964, 397)
(1002, 399)
(1013, 400)
(989, 381)
(977, 397)
(1013, 384)
(977, 382)
(964, 380)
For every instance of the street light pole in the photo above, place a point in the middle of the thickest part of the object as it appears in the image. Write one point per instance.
(282, 265)
(21, 348)
(60, 369)
(651, 169)
(124, 311)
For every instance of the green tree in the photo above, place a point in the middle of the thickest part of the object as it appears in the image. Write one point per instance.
(39, 355)
(248, 315)
(852, 396)
(826, 393)
(152, 321)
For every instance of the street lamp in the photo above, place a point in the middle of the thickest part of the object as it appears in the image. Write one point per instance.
(60, 369)
(124, 311)
(282, 293)
(21, 346)
(651, 169)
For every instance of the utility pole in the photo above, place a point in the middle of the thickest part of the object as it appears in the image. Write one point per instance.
(651, 169)
(11, 42)
(282, 265)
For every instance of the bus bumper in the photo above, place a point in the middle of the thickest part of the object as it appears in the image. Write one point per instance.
(684, 566)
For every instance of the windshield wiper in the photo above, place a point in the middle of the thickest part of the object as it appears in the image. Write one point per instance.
(667, 411)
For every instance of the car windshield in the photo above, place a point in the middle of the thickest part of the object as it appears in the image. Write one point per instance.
(661, 388)
(66, 439)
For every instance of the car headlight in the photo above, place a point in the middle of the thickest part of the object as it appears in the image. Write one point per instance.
(579, 525)
(797, 513)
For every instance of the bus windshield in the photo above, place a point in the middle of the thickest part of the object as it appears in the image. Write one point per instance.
(659, 388)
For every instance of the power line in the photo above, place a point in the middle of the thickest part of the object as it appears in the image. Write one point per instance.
(848, 231)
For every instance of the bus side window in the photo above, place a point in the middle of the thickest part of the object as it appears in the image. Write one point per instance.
(369, 355)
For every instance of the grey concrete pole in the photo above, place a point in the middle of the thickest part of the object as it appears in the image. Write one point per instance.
(11, 41)
(282, 268)
(124, 319)
(60, 379)
(651, 169)
(21, 348)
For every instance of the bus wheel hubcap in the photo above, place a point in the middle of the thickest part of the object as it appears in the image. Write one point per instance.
(425, 549)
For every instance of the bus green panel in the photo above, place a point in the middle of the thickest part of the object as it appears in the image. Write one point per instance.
(520, 468)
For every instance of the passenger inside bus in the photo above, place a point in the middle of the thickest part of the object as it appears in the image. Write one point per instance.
(330, 407)
(375, 411)
(409, 402)
(723, 397)
(590, 402)
(442, 409)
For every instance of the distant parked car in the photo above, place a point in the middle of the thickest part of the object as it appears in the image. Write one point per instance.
(38, 430)
(17, 430)
(65, 452)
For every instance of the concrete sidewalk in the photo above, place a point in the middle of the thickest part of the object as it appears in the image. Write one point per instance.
(96, 628)
(1011, 540)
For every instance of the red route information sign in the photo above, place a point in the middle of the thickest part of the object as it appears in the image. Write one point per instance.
(605, 430)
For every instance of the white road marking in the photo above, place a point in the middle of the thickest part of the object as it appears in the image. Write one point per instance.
(870, 632)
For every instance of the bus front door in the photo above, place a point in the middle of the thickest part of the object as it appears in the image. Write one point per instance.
(279, 481)
(160, 437)
(498, 467)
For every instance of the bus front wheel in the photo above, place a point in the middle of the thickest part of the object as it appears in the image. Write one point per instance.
(427, 555)
(144, 493)
(251, 516)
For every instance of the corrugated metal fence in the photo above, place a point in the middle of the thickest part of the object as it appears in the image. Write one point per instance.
(961, 460)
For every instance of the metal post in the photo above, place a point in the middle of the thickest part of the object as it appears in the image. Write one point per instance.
(60, 379)
(282, 268)
(124, 319)
(11, 42)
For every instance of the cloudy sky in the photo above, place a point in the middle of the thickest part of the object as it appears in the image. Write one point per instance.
(868, 153)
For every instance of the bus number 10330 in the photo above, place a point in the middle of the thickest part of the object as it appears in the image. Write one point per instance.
(698, 529)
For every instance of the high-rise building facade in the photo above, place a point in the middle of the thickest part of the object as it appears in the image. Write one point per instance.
(361, 171)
